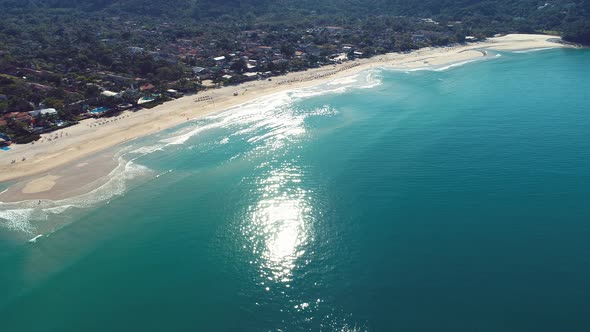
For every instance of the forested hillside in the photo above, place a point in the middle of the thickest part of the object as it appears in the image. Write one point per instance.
(570, 17)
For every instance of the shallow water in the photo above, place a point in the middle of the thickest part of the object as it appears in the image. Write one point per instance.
(453, 200)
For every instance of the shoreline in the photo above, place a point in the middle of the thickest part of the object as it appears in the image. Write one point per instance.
(42, 171)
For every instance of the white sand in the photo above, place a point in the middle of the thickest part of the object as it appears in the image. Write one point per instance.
(40, 184)
(91, 136)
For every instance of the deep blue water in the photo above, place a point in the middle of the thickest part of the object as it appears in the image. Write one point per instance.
(454, 200)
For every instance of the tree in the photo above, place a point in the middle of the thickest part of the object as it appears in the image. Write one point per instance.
(54, 103)
(19, 105)
(168, 73)
(288, 50)
(578, 32)
(239, 66)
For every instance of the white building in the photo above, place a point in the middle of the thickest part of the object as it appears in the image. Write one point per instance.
(44, 111)
(108, 93)
(251, 76)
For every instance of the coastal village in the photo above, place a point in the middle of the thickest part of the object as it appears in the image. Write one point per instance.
(40, 97)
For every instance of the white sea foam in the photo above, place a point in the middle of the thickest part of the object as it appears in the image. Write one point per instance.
(445, 67)
(534, 50)
(59, 209)
(144, 150)
(409, 70)
(34, 240)
(344, 80)
(268, 120)
(364, 80)
(164, 173)
(17, 219)
(373, 79)
(23, 216)
(181, 139)
(435, 68)
(325, 110)
(458, 64)
(273, 113)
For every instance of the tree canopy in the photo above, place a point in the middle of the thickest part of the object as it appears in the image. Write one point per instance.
(567, 16)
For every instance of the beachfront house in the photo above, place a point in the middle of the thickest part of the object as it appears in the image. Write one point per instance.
(173, 93)
(4, 141)
(44, 111)
(147, 88)
(110, 94)
(228, 78)
(22, 117)
(124, 107)
(219, 59)
(251, 65)
(150, 100)
(198, 70)
(250, 76)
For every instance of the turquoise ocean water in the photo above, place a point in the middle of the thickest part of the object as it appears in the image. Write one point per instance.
(434, 200)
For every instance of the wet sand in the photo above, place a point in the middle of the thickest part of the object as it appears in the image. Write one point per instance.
(69, 180)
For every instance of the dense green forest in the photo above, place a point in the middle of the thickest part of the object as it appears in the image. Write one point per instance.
(570, 17)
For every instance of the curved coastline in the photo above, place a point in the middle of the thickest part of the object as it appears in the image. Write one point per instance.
(43, 160)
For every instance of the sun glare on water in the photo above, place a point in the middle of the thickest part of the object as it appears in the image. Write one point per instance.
(279, 224)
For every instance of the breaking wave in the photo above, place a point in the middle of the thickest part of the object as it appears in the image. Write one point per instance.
(269, 120)
(534, 50)
(25, 216)
(274, 112)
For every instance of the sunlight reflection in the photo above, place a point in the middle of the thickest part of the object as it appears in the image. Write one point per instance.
(279, 224)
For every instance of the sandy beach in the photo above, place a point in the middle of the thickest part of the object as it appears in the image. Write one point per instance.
(38, 169)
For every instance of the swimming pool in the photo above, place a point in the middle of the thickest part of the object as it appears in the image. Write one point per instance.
(99, 110)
